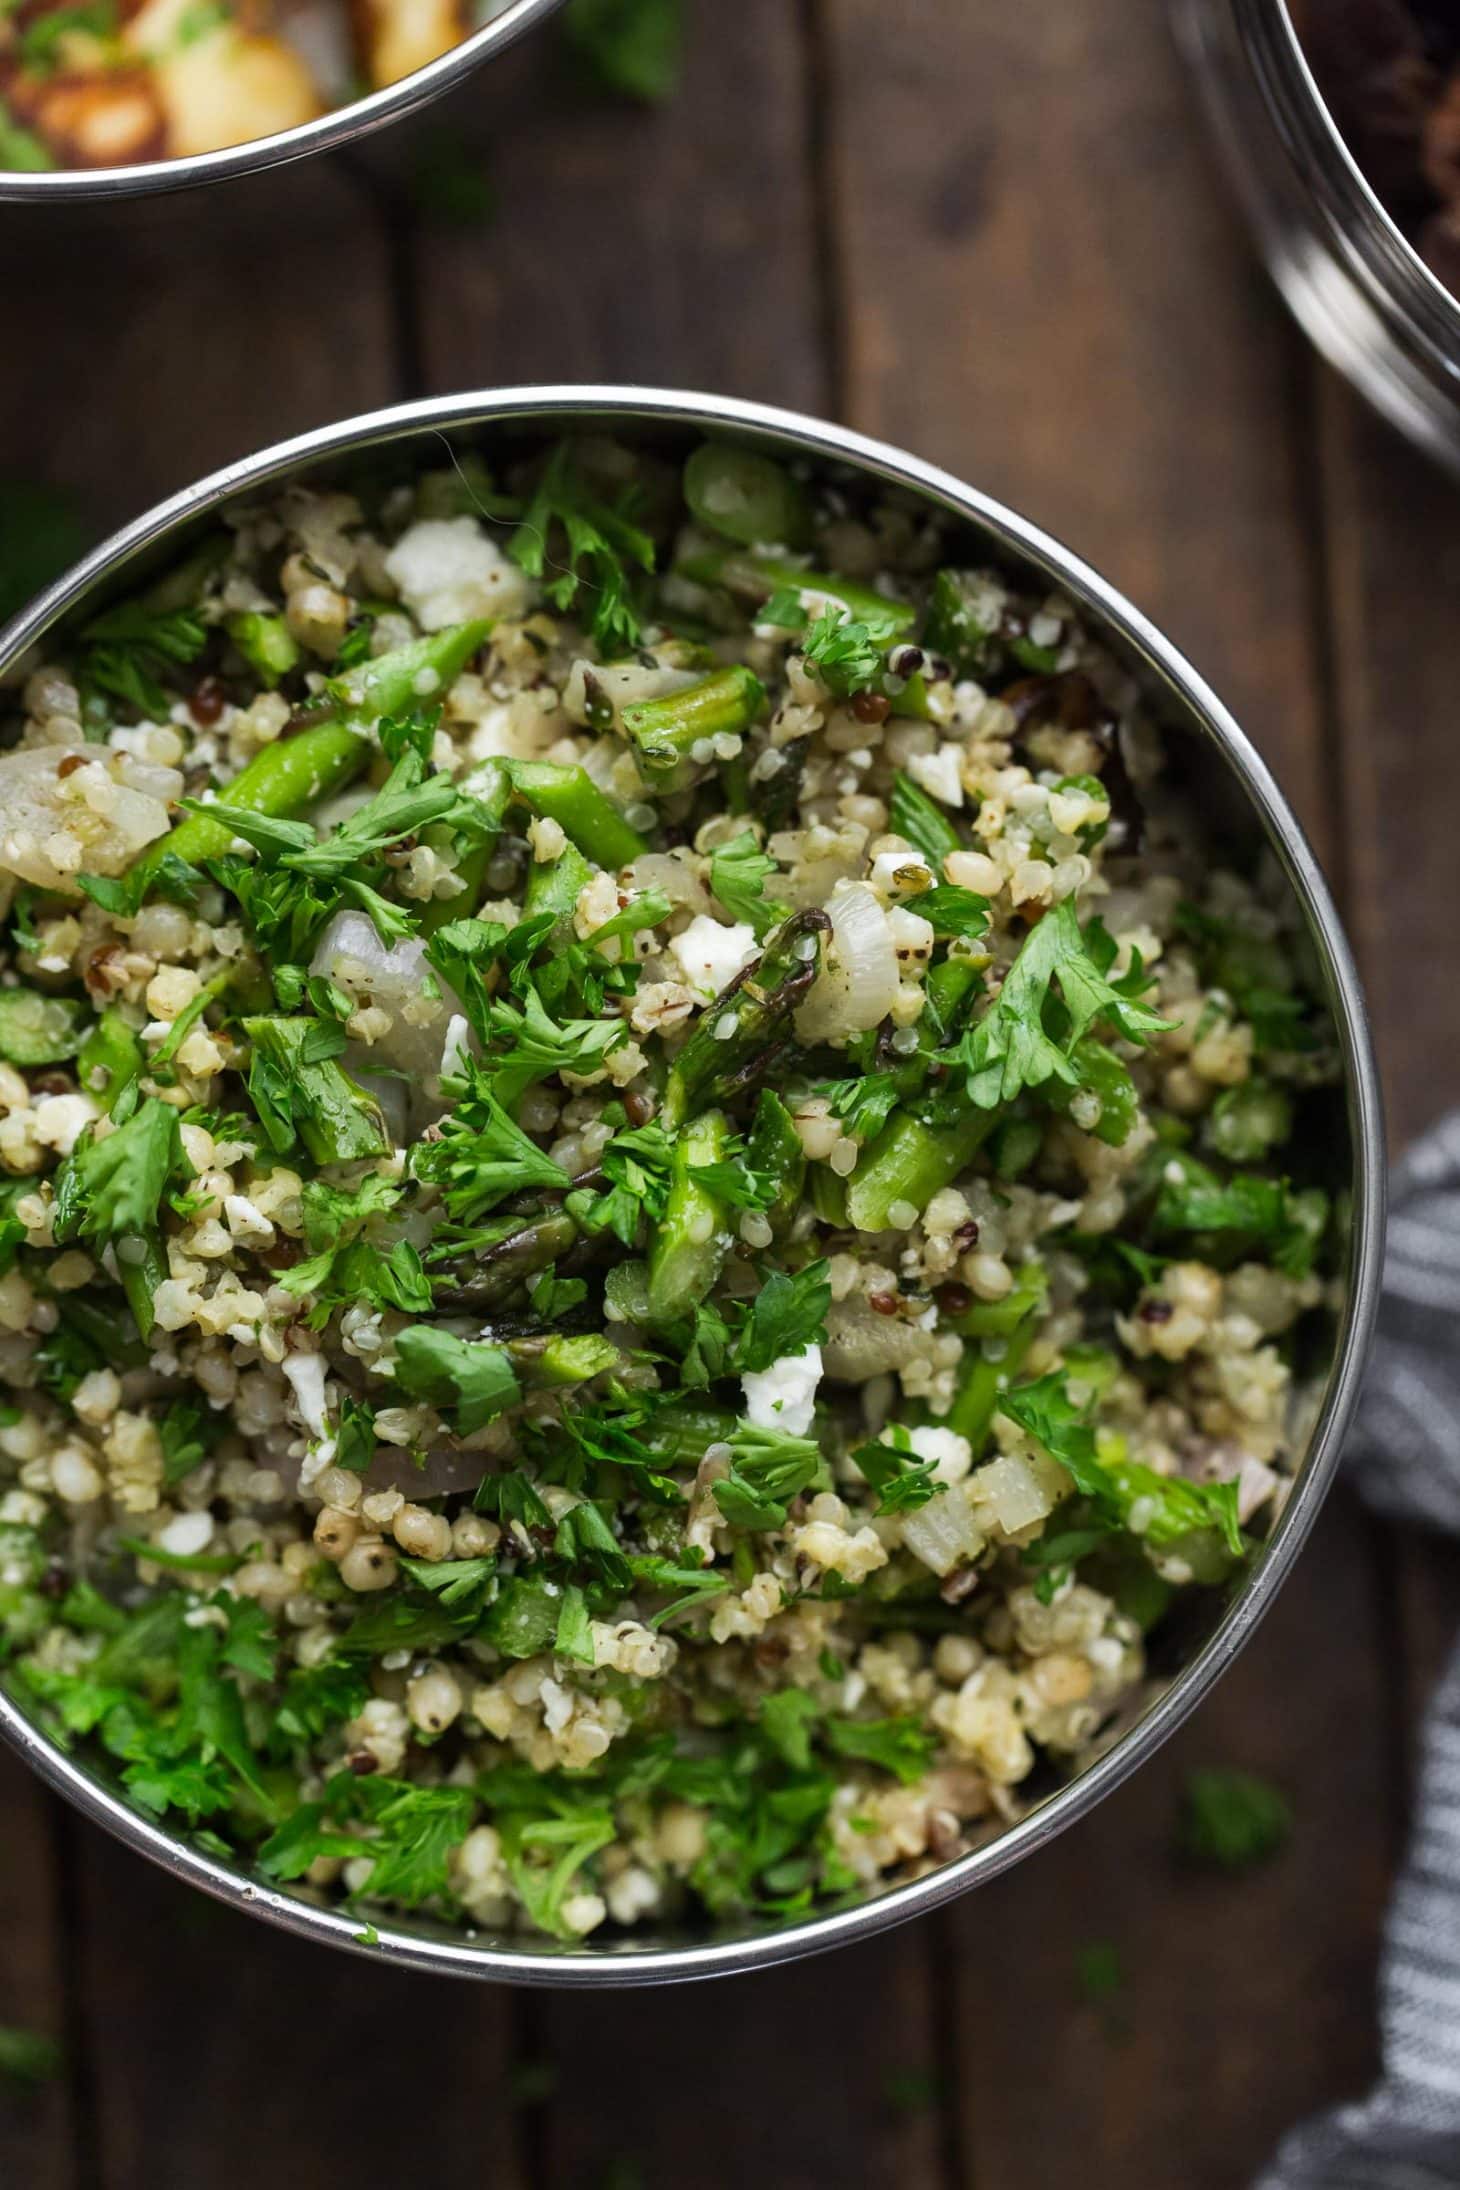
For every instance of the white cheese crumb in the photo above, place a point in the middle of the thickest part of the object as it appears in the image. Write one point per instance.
(711, 954)
(448, 571)
(952, 1455)
(186, 1534)
(59, 1119)
(783, 1397)
(248, 1224)
(938, 774)
(306, 1372)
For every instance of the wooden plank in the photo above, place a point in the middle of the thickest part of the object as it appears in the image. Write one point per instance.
(814, 2074)
(1200, 2060)
(36, 2147)
(1050, 295)
(672, 245)
(190, 332)
(1044, 289)
(229, 2054)
(1394, 563)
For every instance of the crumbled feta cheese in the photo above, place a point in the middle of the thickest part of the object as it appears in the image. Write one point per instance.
(306, 1372)
(711, 954)
(952, 1455)
(186, 1534)
(454, 1050)
(247, 1223)
(783, 1397)
(938, 774)
(448, 571)
(59, 1119)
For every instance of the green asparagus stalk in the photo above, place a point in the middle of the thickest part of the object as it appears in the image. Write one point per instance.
(266, 644)
(762, 998)
(280, 780)
(775, 1148)
(408, 676)
(665, 732)
(554, 887)
(745, 496)
(692, 1237)
(571, 798)
(757, 577)
(907, 1165)
(554, 1363)
(109, 1059)
(492, 790)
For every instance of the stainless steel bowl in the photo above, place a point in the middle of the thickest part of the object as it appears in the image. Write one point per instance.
(342, 126)
(1230, 776)
(1352, 279)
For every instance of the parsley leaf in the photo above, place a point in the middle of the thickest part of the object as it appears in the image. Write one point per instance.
(913, 816)
(26, 2058)
(126, 649)
(902, 1746)
(768, 1469)
(529, 1044)
(187, 1432)
(864, 1105)
(902, 1481)
(952, 911)
(112, 1189)
(481, 1156)
(301, 1093)
(739, 872)
(629, 46)
(1251, 1208)
(787, 1315)
(1010, 1049)
(599, 543)
(1232, 1821)
(1161, 1509)
(469, 1375)
(843, 653)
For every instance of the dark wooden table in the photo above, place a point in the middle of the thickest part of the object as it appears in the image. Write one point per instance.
(993, 234)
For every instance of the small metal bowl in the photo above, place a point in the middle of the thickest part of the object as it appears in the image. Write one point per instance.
(342, 126)
(1351, 277)
(1237, 795)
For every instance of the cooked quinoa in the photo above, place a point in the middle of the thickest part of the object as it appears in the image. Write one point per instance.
(655, 1200)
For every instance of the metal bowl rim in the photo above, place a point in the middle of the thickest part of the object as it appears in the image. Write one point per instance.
(626, 405)
(330, 132)
(1388, 257)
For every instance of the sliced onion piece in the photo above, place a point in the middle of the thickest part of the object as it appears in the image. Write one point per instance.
(858, 981)
(1013, 1492)
(943, 1533)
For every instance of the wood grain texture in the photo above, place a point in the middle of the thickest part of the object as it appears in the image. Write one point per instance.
(166, 339)
(1394, 597)
(36, 2147)
(1043, 288)
(227, 2054)
(672, 246)
(799, 2078)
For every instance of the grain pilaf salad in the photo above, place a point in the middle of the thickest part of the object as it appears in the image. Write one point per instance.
(653, 1198)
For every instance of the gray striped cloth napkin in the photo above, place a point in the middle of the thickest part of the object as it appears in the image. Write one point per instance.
(1405, 1457)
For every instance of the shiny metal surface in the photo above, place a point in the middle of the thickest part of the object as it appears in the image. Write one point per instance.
(1193, 714)
(1354, 282)
(329, 133)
